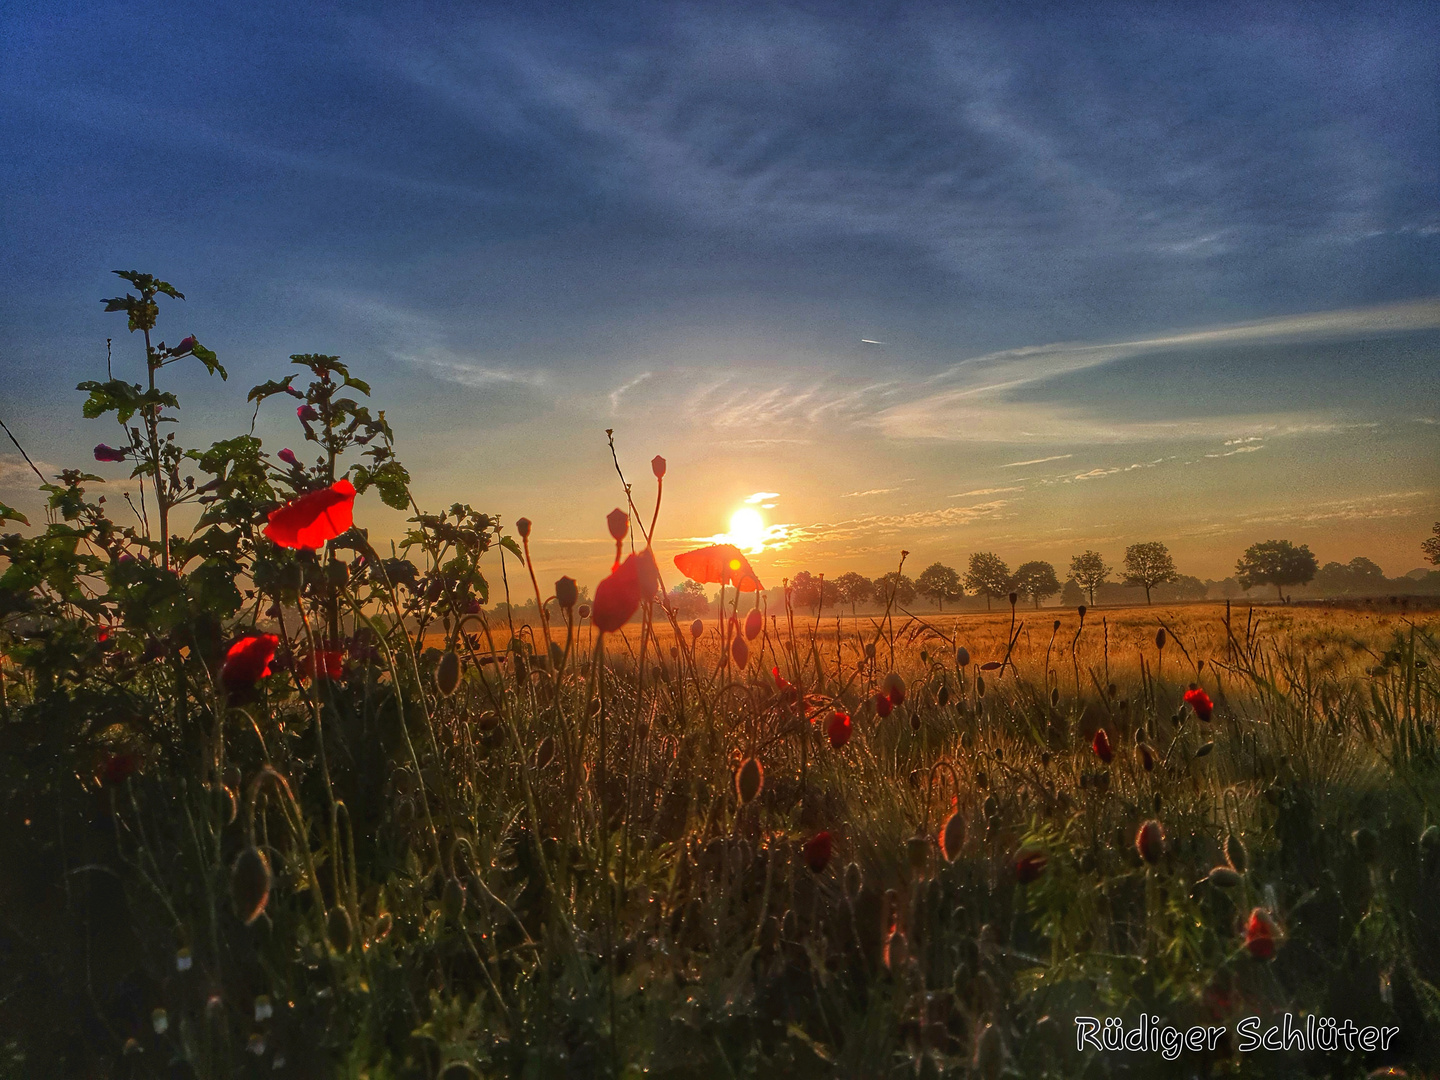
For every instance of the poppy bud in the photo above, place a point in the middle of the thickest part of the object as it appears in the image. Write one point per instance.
(1014, 598)
(838, 729)
(1081, 609)
(917, 852)
(288, 457)
(1224, 876)
(186, 346)
(567, 592)
(1367, 845)
(897, 951)
(452, 900)
(1160, 638)
(307, 413)
(962, 656)
(942, 697)
(754, 623)
(619, 523)
(657, 466)
(894, 688)
(108, 453)
(250, 884)
(980, 685)
(816, 852)
(739, 651)
(952, 836)
(697, 628)
(1235, 853)
(1029, 865)
(583, 611)
(1146, 753)
(1055, 696)
(749, 780)
(1260, 935)
(522, 526)
(1057, 624)
(883, 705)
(339, 930)
(447, 673)
(1150, 842)
(854, 879)
(545, 752)
(1101, 746)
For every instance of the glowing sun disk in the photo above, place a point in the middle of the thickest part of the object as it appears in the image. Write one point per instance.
(747, 530)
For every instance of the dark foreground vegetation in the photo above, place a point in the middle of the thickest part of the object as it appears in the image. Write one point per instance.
(275, 804)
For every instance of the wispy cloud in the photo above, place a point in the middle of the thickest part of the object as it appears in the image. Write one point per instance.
(994, 490)
(1036, 461)
(621, 391)
(870, 491)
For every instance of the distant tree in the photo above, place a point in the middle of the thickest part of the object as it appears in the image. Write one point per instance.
(807, 591)
(1089, 571)
(903, 585)
(940, 583)
(689, 599)
(1147, 565)
(1036, 580)
(1431, 545)
(853, 588)
(987, 575)
(1360, 575)
(1278, 563)
(1184, 587)
(1072, 595)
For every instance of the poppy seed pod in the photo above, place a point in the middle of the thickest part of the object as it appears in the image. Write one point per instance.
(657, 466)
(522, 526)
(1150, 842)
(567, 593)
(749, 780)
(739, 651)
(618, 523)
(697, 628)
(754, 623)
(952, 836)
(1160, 638)
(894, 688)
(250, 884)
(583, 611)
(1081, 610)
(447, 673)
(817, 851)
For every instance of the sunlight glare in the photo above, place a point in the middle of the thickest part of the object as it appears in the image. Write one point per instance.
(747, 530)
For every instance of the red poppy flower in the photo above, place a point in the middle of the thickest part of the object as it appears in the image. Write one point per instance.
(754, 623)
(620, 594)
(883, 705)
(719, 564)
(1029, 865)
(1101, 746)
(315, 518)
(248, 661)
(1200, 702)
(817, 851)
(894, 687)
(1260, 935)
(117, 768)
(838, 729)
(784, 687)
(329, 663)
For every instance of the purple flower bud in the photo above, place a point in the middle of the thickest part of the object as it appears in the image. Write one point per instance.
(288, 457)
(108, 453)
(185, 346)
(307, 413)
(293, 392)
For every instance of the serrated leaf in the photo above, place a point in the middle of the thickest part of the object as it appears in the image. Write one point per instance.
(358, 384)
(269, 388)
(9, 513)
(207, 357)
(509, 544)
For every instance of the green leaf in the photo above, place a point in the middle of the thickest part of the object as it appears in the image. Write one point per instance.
(206, 357)
(509, 544)
(9, 513)
(358, 384)
(390, 479)
(269, 388)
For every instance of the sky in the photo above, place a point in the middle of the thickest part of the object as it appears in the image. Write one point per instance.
(945, 278)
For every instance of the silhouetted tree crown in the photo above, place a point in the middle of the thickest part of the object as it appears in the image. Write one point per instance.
(1278, 563)
(987, 575)
(1037, 581)
(1149, 564)
(940, 583)
(1089, 571)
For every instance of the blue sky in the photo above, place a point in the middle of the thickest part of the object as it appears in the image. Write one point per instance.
(1190, 256)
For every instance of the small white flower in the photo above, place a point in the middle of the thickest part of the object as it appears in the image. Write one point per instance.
(263, 1008)
(183, 960)
(160, 1021)
(256, 1045)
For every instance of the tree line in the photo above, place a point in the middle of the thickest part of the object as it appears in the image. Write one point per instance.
(1278, 564)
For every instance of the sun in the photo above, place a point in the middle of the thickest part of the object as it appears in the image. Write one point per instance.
(747, 530)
